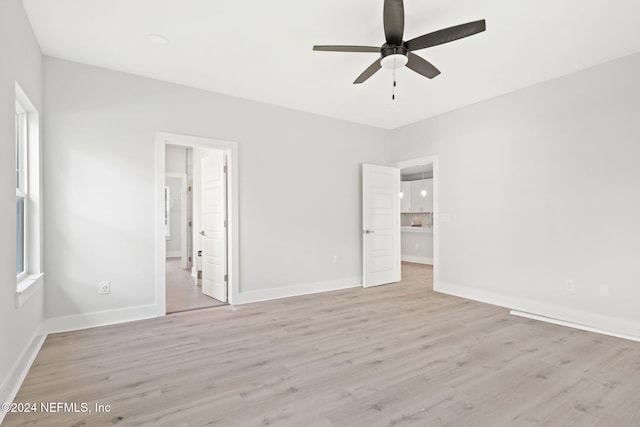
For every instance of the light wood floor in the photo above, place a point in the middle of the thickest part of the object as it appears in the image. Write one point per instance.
(182, 292)
(396, 355)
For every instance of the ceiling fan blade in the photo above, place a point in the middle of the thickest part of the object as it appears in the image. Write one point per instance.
(393, 21)
(338, 48)
(370, 71)
(447, 35)
(422, 66)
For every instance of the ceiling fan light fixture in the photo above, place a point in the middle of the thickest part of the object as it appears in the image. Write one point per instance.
(395, 60)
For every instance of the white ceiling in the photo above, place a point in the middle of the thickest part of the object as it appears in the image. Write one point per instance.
(262, 50)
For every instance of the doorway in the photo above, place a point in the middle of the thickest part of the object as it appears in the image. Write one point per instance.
(193, 281)
(197, 234)
(419, 230)
(383, 195)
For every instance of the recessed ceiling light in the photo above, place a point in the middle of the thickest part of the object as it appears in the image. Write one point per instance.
(157, 39)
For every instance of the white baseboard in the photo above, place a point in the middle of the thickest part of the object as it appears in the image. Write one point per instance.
(416, 259)
(572, 325)
(565, 316)
(174, 254)
(296, 290)
(100, 318)
(18, 372)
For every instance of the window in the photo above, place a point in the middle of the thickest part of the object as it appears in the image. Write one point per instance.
(22, 189)
(28, 217)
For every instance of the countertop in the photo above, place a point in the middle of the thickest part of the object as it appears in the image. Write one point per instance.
(416, 229)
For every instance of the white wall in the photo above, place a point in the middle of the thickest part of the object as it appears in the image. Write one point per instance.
(20, 61)
(543, 185)
(175, 160)
(100, 131)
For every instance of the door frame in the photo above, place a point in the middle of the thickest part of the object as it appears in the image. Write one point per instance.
(233, 250)
(436, 209)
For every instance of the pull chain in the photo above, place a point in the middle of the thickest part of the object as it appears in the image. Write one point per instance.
(393, 90)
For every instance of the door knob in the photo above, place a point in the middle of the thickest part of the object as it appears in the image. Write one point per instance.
(202, 233)
(368, 231)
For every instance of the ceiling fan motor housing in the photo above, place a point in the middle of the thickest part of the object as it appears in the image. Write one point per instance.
(388, 49)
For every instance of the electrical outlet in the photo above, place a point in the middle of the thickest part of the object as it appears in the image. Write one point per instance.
(570, 285)
(604, 290)
(104, 288)
(417, 246)
(336, 259)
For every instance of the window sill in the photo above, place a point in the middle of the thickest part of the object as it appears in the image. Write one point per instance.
(27, 287)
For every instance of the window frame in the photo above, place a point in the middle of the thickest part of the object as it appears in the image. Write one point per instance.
(28, 185)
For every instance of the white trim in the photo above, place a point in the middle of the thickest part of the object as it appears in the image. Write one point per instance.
(436, 207)
(417, 259)
(233, 251)
(602, 324)
(20, 368)
(99, 318)
(297, 290)
(27, 287)
(573, 325)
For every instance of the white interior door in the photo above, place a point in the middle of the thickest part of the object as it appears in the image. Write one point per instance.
(214, 235)
(381, 224)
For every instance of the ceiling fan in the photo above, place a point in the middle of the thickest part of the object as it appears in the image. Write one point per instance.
(396, 52)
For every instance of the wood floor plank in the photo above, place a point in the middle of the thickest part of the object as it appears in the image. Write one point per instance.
(182, 292)
(396, 355)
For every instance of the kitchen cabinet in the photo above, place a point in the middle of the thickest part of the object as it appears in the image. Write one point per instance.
(420, 202)
(405, 201)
